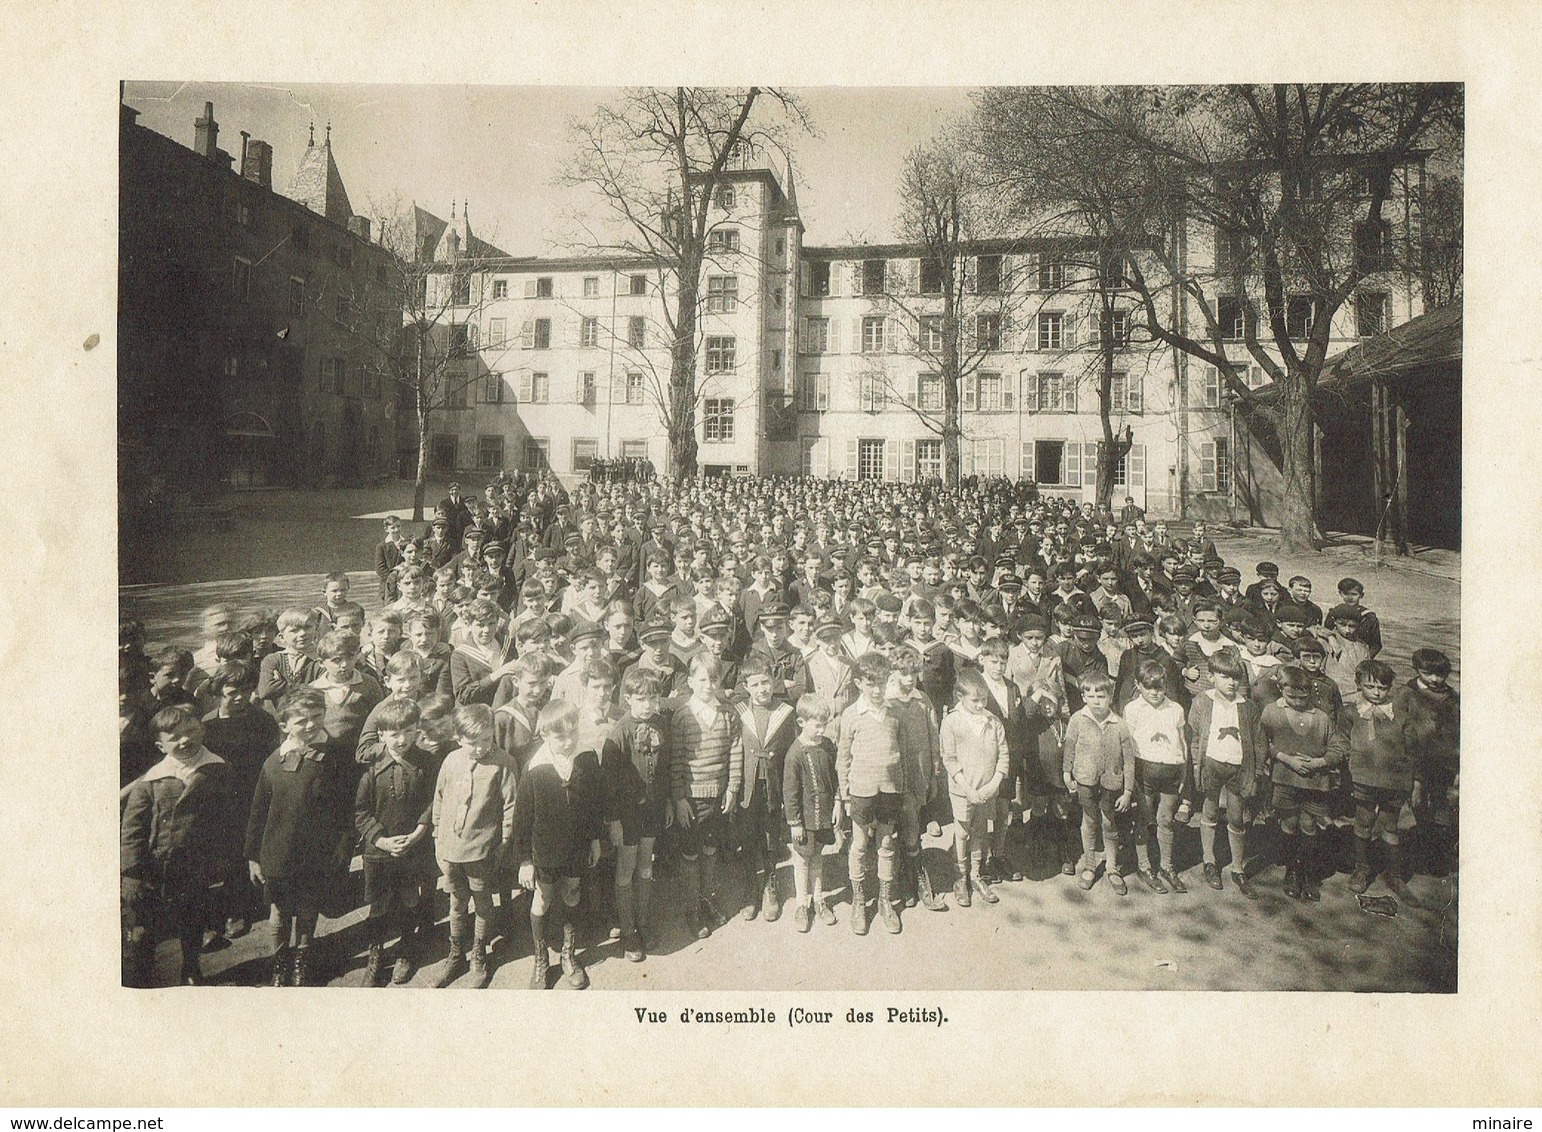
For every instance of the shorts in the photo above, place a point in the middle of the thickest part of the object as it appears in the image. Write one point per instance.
(571, 869)
(393, 883)
(1382, 797)
(1095, 799)
(1219, 777)
(879, 809)
(973, 819)
(1159, 778)
(937, 810)
(1290, 801)
(813, 843)
(708, 828)
(643, 820)
(471, 876)
(302, 893)
(1042, 770)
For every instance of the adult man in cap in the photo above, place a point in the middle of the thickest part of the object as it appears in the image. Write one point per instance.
(437, 547)
(457, 512)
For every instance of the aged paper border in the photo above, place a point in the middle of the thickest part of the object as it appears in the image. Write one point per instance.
(69, 1035)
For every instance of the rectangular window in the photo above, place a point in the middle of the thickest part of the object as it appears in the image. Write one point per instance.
(931, 333)
(1048, 461)
(1371, 313)
(726, 198)
(1215, 465)
(500, 288)
(460, 290)
(931, 275)
(1056, 393)
(543, 334)
(537, 454)
(636, 331)
(446, 451)
(990, 393)
(634, 449)
(634, 387)
(1051, 330)
(497, 331)
(589, 333)
(870, 459)
(987, 279)
(1110, 272)
(591, 286)
(819, 278)
(717, 420)
(638, 285)
(929, 459)
(1051, 274)
(987, 332)
(584, 451)
(929, 392)
(875, 276)
(1125, 394)
(490, 453)
(1118, 328)
(492, 389)
(722, 294)
(586, 388)
(455, 389)
(1300, 316)
(543, 287)
(1210, 395)
(1231, 311)
(540, 388)
(241, 279)
(1373, 246)
(1232, 252)
(296, 297)
(723, 239)
(720, 353)
(816, 335)
(872, 333)
(873, 394)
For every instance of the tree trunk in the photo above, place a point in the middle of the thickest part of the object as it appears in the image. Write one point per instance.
(1298, 528)
(682, 381)
(420, 485)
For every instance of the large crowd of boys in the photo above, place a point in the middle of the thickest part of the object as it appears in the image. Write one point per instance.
(556, 692)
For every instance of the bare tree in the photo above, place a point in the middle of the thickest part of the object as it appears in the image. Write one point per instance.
(1443, 242)
(1299, 184)
(655, 159)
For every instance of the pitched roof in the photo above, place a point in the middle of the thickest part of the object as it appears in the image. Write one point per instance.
(1419, 344)
(318, 185)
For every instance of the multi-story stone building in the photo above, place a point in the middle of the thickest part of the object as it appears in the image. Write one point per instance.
(250, 322)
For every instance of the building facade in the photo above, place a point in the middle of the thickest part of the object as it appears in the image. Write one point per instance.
(250, 322)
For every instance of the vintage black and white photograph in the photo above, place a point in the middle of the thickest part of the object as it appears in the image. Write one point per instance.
(823, 538)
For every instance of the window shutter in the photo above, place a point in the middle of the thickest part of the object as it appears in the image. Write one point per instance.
(1070, 390)
(527, 333)
(804, 272)
(1026, 471)
(1030, 391)
(618, 389)
(821, 461)
(1090, 464)
(1207, 466)
(890, 462)
(997, 451)
(1071, 471)
(1137, 465)
(1068, 331)
(1008, 393)
(822, 392)
(525, 390)
(1212, 389)
(966, 457)
(865, 398)
(834, 345)
(971, 390)
(891, 335)
(973, 265)
(529, 288)
(804, 338)
(1135, 393)
(1006, 327)
(856, 335)
(908, 461)
(851, 457)
(578, 389)
(912, 390)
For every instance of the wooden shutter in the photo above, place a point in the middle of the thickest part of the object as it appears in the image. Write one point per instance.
(851, 457)
(1009, 392)
(913, 390)
(822, 392)
(1212, 389)
(866, 401)
(618, 389)
(821, 460)
(908, 461)
(1068, 331)
(1135, 393)
(804, 274)
(1207, 466)
(1068, 387)
(527, 333)
(805, 339)
(997, 451)
(833, 345)
(890, 461)
(529, 288)
(1025, 470)
(856, 335)
(1090, 464)
(966, 457)
(970, 393)
(526, 391)
(891, 330)
(1071, 465)
(1136, 464)
(1030, 402)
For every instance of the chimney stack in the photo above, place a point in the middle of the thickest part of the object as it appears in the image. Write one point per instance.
(206, 133)
(257, 161)
(359, 226)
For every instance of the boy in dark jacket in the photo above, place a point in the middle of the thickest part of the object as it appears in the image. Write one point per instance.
(393, 813)
(635, 767)
(558, 818)
(1432, 711)
(811, 803)
(174, 843)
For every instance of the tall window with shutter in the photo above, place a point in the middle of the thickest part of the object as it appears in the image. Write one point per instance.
(1215, 465)
(815, 392)
(928, 459)
(873, 395)
(987, 275)
(636, 331)
(1052, 330)
(589, 333)
(1210, 392)
(873, 332)
(1125, 393)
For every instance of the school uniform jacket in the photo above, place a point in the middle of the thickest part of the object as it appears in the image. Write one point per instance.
(388, 556)
(1200, 712)
(471, 676)
(514, 731)
(393, 799)
(1372, 741)
(634, 764)
(809, 786)
(175, 835)
(554, 821)
(302, 813)
(279, 675)
(765, 743)
(831, 678)
(789, 673)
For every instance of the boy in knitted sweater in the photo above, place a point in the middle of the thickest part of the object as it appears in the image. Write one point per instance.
(870, 765)
(706, 774)
(1098, 765)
